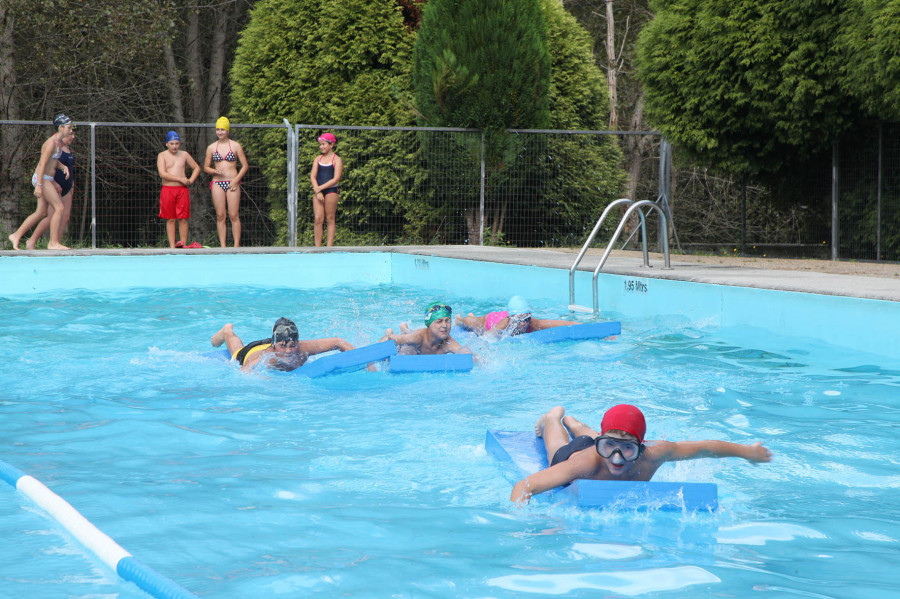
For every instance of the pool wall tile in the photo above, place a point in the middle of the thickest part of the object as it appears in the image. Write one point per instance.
(861, 324)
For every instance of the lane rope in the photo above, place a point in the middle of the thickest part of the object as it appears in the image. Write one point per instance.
(101, 545)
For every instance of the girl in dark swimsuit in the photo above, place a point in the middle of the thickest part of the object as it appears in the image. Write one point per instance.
(324, 176)
(44, 186)
(226, 183)
(65, 178)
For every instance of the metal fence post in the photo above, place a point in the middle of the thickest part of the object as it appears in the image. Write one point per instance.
(835, 220)
(878, 225)
(291, 177)
(481, 206)
(94, 186)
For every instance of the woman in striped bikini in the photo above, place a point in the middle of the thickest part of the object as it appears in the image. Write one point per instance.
(226, 183)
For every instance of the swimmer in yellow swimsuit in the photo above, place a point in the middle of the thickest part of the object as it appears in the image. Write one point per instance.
(282, 351)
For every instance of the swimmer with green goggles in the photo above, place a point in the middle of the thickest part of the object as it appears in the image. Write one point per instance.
(434, 338)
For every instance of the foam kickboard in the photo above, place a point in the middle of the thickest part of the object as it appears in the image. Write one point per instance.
(353, 359)
(432, 363)
(335, 363)
(526, 454)
(575, 332)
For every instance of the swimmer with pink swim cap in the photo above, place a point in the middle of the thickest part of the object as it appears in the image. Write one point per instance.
(222, 159)
(324, 176)
(517, 319)
(618, 452)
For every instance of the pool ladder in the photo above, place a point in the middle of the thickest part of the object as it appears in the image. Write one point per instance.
(632, 207)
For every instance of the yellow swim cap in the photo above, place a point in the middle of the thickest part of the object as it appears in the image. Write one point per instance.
(223, 123)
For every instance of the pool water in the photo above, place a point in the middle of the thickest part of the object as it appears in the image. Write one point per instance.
(378, 485)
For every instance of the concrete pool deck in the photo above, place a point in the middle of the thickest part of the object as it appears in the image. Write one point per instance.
(879, 281)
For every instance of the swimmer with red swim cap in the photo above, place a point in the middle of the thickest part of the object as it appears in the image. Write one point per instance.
(618, 452)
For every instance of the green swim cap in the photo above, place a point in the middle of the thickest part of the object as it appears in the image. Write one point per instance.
(437, 310)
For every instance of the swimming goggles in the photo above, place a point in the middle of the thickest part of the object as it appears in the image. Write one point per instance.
(437, 308)
(287, 343)
(607, 446)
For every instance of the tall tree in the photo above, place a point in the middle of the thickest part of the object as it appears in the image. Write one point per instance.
(483, 64)
(341, 62)
(871, 42)
(614, 26)
(745, 86)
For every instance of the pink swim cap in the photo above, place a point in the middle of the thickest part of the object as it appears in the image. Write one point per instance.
(624, 417)
(328, 137)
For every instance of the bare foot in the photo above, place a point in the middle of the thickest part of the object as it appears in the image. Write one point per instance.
(31, 243)
(56, 246)
(554, 415)
(219, 338)
(14, 241)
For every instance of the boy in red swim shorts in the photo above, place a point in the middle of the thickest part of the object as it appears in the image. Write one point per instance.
(175, 199)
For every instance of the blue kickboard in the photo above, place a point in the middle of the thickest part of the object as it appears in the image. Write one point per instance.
(575, 332)
(432, 363)
(526, 454)
(353, 359)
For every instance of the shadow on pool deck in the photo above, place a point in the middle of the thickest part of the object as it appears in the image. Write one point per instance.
(853, 279)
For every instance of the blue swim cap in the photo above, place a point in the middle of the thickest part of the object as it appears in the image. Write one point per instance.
(172, 136)
(518, 305)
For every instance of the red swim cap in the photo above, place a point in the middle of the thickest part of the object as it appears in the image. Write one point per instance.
(624, 417)
(328, 137)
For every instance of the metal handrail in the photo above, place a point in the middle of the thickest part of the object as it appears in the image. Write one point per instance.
(633, 206)
(587, 244)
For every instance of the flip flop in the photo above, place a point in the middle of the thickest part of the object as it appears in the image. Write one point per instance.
(193, 246)
(179, 244)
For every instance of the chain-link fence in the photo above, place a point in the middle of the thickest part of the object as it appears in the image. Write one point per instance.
(457, 186)
(869, 194)
(116, 188)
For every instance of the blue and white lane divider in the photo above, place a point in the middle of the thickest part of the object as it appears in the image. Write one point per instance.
(109, 552)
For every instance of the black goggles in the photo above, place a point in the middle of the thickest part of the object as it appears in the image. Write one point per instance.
(437, 308)
(607, 446)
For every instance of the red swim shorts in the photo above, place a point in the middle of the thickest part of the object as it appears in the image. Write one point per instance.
(174, 202)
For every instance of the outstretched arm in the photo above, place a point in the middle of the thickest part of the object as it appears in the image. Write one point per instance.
(550, 478)
(312, 347)
(689, 450)
(411, 338)
(454, 347)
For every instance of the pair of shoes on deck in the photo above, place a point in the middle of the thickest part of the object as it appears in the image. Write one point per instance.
(193, 246)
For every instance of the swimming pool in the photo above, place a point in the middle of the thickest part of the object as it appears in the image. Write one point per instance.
(373, 485)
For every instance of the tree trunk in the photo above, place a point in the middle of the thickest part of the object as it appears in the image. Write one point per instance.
(472, 228)
(12, 169)
(612, 67)
(173, 82)
(635, 146)
(216, 66)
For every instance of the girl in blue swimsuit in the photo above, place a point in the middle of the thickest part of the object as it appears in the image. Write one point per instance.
(326, 171)
(44, 186)
(226, 183)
